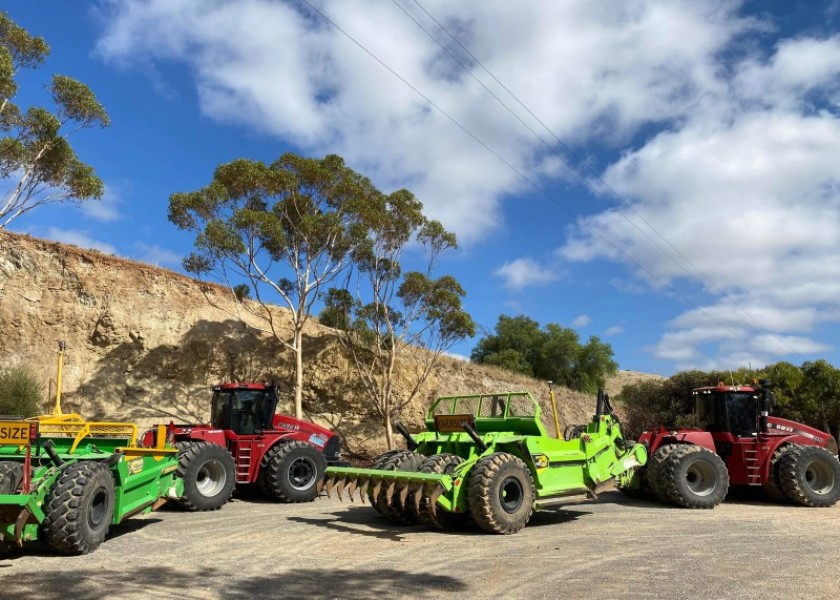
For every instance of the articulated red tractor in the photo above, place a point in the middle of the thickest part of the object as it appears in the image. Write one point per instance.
(246, 443)
(738, 443)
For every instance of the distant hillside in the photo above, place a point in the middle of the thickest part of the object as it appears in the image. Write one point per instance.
(144, 344)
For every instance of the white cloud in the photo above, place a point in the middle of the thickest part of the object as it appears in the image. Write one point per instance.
(614, 330)
(592, 70)
(156, 255)
(751, 200)
(581, 321)
(524, 272)
(105, 209)
(79, 238)
(737, 164)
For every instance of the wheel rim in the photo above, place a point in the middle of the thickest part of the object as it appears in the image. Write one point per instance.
(511, 494)
(211, 478)
(302, 473)
(819, 477)
(98, 509)
(701, 478)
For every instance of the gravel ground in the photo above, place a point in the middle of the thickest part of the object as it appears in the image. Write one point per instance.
(614, 548)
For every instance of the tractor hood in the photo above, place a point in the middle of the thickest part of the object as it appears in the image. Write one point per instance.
(779, 426)
(288, 423)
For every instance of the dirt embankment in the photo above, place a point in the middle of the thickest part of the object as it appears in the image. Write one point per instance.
(144, 344)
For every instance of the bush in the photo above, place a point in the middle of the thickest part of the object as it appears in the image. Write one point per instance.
(554, 353)
(21, 394)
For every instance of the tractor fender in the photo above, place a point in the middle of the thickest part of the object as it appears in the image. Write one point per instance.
(262, 449)
(206, 434)
(653, 440)
(802, 434)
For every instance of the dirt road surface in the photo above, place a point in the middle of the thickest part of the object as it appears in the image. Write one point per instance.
(612, 549)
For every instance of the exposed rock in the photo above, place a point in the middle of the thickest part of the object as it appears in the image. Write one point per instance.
(145, 344)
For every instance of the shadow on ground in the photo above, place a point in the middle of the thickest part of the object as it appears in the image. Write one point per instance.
(167, 582)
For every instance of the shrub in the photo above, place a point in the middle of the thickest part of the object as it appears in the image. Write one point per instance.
(21, 394)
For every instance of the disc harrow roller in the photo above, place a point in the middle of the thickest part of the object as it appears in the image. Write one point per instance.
(399, 487)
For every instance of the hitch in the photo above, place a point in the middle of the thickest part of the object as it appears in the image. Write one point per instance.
(474, 435)
(50, 450)
(410, 441)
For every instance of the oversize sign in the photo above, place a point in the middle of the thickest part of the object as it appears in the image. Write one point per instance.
(14, 433)
(452, 423)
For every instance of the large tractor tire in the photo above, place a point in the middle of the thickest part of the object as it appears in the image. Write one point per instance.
(290, 472)
(392, 508)
(694, 477)
(429, 515)
(656, 476)
(79, 508)
(773, 486)
(501, 493)
(11, 476)
(209, 475)
(810, 476)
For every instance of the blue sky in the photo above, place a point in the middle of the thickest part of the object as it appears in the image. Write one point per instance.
(698, 224)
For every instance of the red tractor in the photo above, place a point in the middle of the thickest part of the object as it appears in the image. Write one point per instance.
(738, 443)
(246, 443)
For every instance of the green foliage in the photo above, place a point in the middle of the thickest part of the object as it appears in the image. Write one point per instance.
(242, 292)
(338, 308)
(554, 353)
(393, 311)
(35, 154)
(809, 394)
(288, 229)
(20, 392)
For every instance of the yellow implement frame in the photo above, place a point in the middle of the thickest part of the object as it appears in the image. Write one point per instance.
(74, 425)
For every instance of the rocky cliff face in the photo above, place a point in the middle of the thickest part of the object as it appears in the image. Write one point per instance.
(144, 344)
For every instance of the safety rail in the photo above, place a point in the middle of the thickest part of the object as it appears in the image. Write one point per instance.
(82, 430)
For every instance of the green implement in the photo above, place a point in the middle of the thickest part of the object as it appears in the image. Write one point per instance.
(68, 480)
(489, 458)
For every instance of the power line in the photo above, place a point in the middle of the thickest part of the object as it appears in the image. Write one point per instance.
(579, 163)
(519, 172)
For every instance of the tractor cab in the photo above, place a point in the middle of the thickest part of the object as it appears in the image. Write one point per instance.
(245, 409)
(732, 409)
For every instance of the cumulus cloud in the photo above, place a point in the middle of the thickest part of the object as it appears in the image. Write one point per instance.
(592, 70)
(581, 321)
(736, 163)
(156, 255)
(106, 208)
(614, 330)
(524, 272)
(79, 238)
(748, 194)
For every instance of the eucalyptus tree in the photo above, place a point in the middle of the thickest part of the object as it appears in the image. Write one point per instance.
(36, 159)
(287, 229)
(392, 316)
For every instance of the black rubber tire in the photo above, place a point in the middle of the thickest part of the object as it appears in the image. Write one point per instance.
(694, 477)
(810, 476)
(79, 508)
(501, 493)
(440, 519)
(290, 472)
(655, 472)
(11, 476)
(773, 486)
(209, 475)
(396, 460)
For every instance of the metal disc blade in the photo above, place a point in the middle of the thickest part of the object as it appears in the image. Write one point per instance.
(363, 489)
